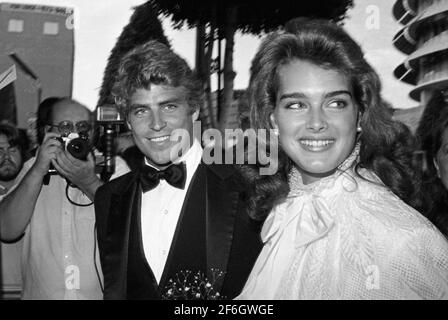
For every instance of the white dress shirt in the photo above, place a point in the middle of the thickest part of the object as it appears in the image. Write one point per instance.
(160, 212)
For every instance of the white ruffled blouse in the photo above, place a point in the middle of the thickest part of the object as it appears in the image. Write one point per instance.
(343, 237)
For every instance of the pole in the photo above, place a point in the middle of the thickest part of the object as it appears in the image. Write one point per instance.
(218, 97)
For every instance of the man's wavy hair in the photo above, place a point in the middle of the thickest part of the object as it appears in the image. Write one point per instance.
(385, 144)
(153, 63)
(431, 128)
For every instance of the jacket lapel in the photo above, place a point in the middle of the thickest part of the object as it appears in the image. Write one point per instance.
(204, 233)
(124, 203)
(187, 250)
(222, 203)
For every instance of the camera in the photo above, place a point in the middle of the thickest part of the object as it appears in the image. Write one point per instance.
(108, 114)
(110, 119)
(77, 144)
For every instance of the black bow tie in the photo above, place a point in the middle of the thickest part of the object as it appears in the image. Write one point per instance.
(175, 175)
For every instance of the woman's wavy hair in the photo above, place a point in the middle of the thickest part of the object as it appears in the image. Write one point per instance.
(154, 63)
(385, 144)
(433, 124)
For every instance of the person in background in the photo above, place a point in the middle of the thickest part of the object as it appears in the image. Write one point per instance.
(54, 213)
(12, 156)
(337, 219)
(433, 136)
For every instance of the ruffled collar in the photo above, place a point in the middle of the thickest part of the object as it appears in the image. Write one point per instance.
(297, 186)
(306, 207)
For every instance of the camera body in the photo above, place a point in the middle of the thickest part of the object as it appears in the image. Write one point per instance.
(77, 144)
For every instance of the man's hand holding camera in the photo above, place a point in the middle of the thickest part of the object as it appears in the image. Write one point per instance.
(79, 172)
(50, 146)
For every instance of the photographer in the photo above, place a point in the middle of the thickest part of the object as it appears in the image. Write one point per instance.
(56, 216)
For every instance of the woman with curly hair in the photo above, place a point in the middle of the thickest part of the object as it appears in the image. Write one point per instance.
(338, 216)
(433, 135)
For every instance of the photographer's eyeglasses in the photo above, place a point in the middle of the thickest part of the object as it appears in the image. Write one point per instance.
(66, 127)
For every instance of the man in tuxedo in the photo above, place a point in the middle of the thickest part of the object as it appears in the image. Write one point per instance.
(172, 215)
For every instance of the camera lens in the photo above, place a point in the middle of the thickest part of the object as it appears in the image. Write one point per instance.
(78, 148)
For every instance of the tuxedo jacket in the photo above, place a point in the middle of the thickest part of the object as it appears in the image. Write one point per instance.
(213, 232)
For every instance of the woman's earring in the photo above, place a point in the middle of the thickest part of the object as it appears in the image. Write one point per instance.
(275, 131)
(359, 129)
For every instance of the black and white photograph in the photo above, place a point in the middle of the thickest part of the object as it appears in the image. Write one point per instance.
(240, 151)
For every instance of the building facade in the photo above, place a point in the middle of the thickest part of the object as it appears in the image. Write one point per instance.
(43, 38)
(424, 38)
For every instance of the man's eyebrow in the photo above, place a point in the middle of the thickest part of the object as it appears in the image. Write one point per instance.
(138, 105)
(163, 102)
(171, 100)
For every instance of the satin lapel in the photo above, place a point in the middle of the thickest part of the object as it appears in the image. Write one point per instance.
(187, 250)
(222, 204)
(124, 203)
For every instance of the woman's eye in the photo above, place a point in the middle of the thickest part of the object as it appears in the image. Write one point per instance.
(296, 106)
(14, 149)
(338, 104)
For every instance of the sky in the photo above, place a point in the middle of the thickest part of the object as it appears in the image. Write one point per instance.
(373, 26)
(99, 23)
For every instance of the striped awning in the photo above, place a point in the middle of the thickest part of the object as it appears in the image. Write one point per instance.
(441, 83)
(406, 39)
(404, 42)
(430, 12)
(404, 10)
(407, 71)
